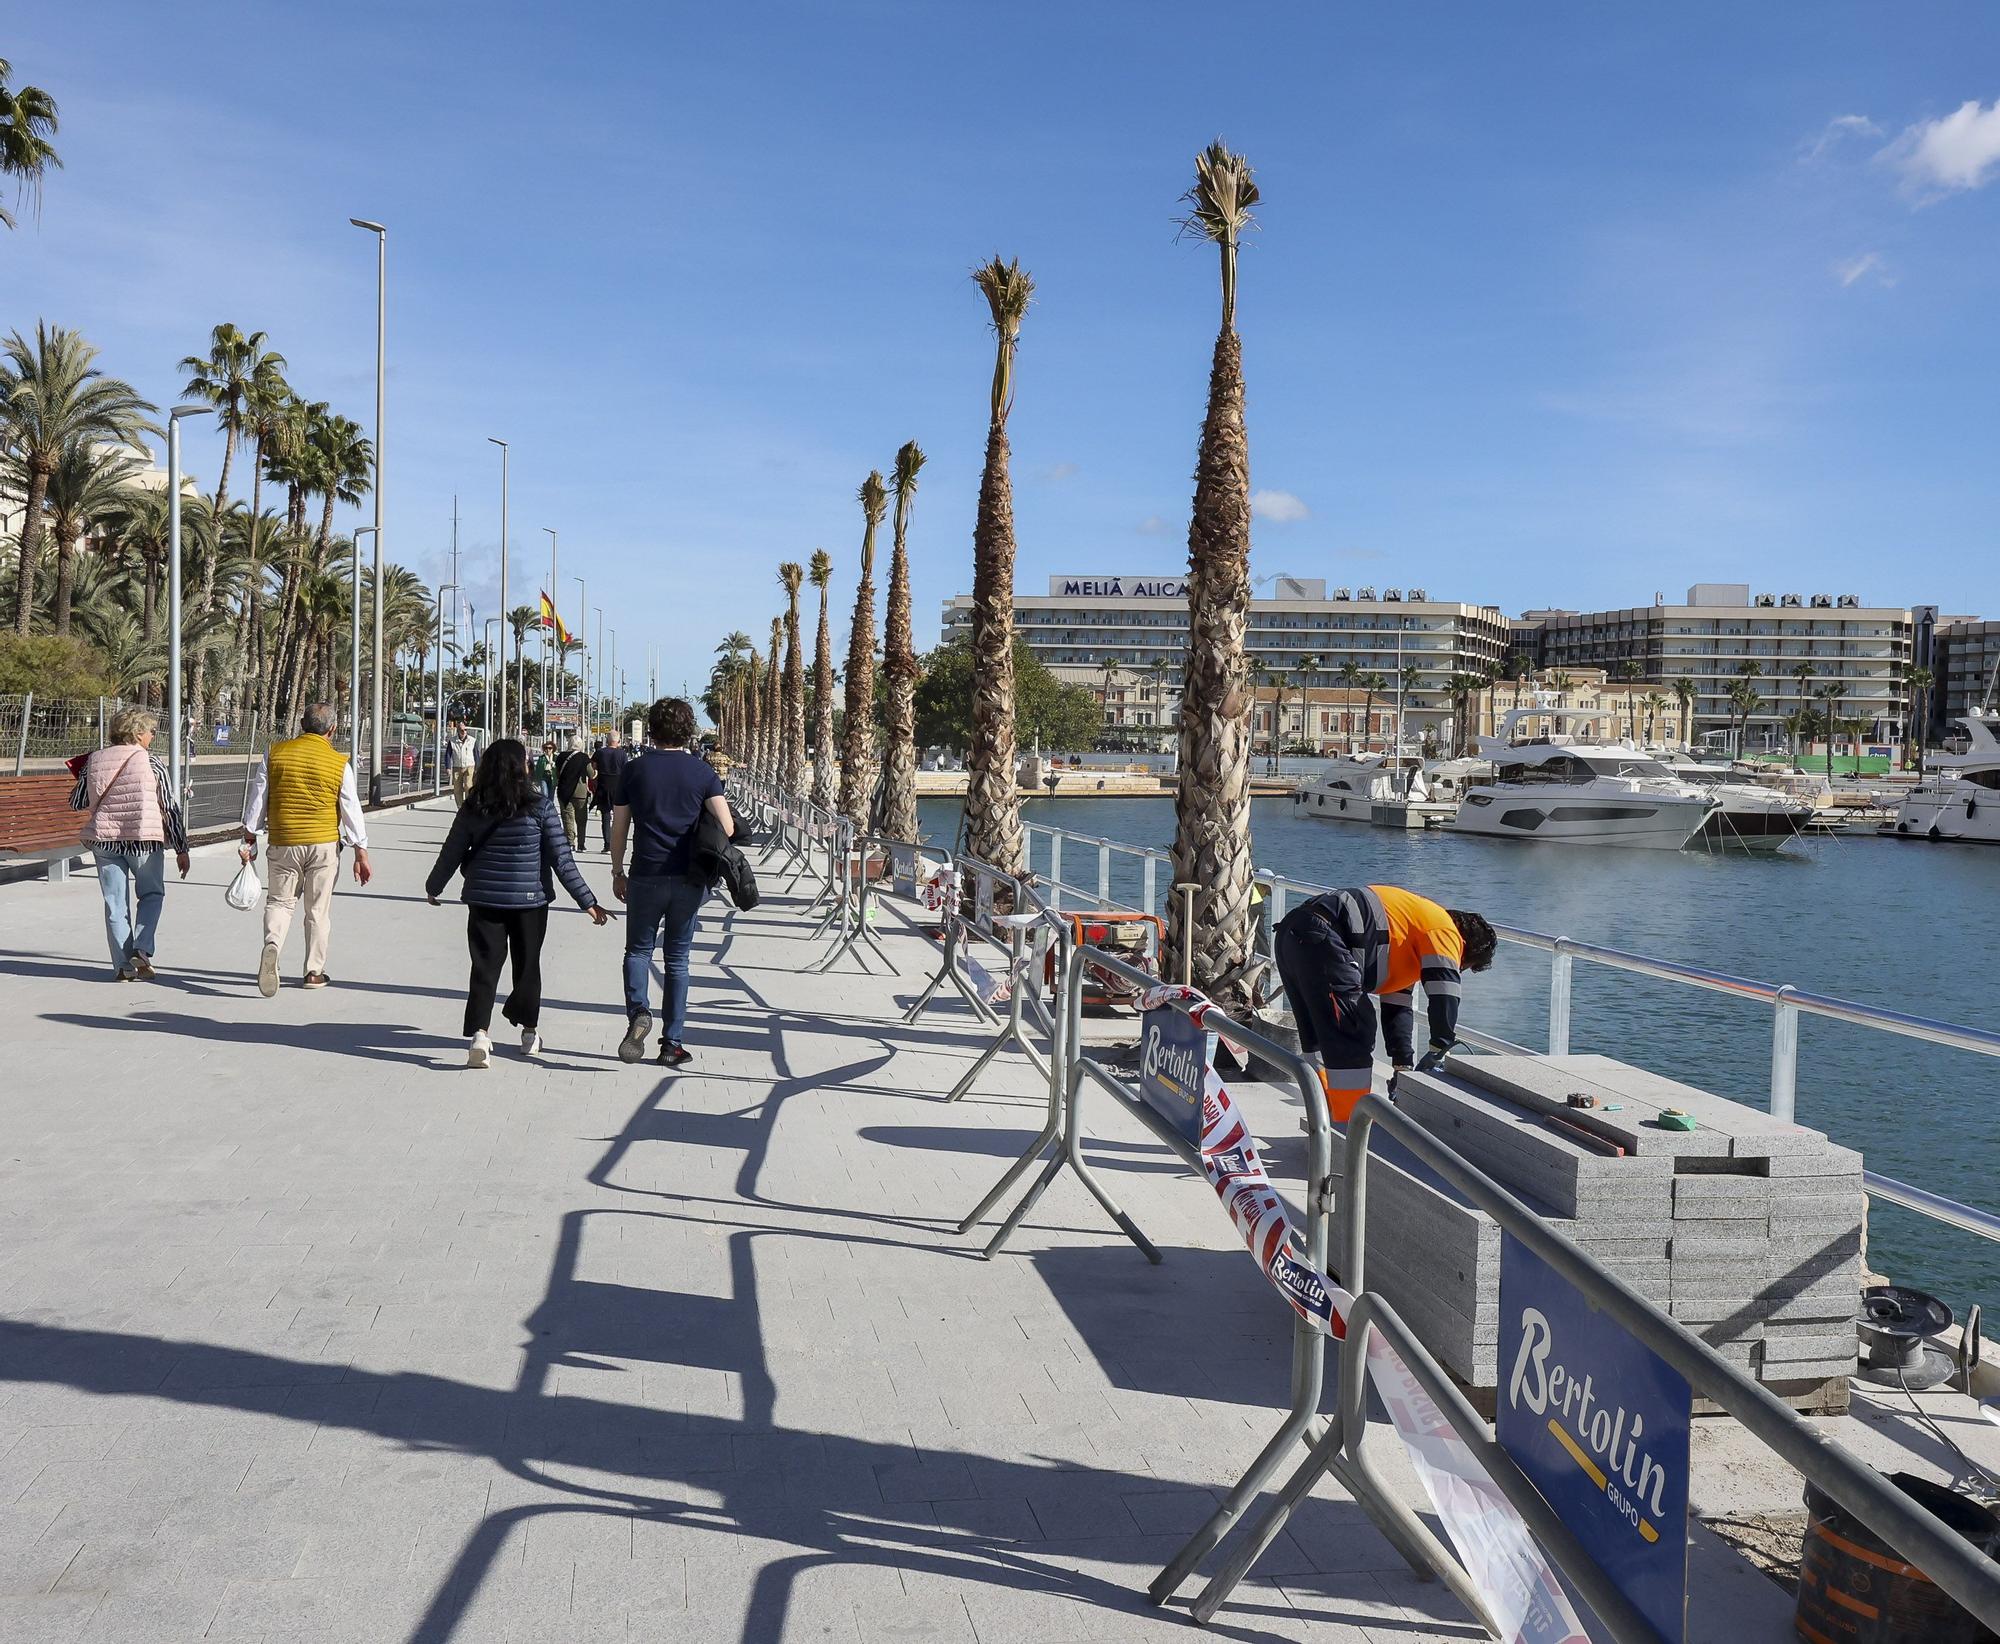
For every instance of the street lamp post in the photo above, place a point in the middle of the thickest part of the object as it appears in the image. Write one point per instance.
(381, 331)
(487, 674)
(354, 642)
(598, 658)
(176, 769)
(551, 638)
(584, 713)
(504, 607)
(437, 766)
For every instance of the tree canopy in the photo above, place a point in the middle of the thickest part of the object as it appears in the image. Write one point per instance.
(1045, 709)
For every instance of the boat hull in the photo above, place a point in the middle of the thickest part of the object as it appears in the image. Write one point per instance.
(1639, 823)
(1948, 820)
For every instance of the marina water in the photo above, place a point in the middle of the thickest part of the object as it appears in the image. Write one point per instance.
(1908, 926)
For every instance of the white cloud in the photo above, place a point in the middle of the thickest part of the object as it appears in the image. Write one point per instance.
(1868, 266)
(1841, 125)
(1151, 526)
(1056, 472)
(1279, 507)
(1957, 151)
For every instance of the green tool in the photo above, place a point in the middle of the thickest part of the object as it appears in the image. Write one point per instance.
(1673, 1119)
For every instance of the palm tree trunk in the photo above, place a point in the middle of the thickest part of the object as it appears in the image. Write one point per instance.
(65, 580)
(899, 666)
(1212, 801)
(857, 751)
(992, 794)
(31, 547)
(822, 777)
(793, 759)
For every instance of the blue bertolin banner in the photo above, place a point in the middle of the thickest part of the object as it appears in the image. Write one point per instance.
(1174, 1054)
(1599, 1423)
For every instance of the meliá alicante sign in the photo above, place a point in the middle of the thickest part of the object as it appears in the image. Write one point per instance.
(1118, 587)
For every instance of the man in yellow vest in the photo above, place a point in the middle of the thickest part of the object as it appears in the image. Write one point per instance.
(307, 787)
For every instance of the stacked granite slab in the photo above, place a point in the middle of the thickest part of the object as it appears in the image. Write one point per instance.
(1747, 1230)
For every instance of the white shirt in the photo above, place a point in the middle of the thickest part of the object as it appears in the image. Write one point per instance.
(463, 751)
(353, 826)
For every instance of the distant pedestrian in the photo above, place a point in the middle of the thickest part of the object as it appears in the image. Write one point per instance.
(573, 792)
(461, 754)
(660, 799)
(306, 788)
(134, 819)
(608, 763)
(508, 842)
(545, 770)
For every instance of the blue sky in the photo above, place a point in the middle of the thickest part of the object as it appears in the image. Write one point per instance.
(1553, 304)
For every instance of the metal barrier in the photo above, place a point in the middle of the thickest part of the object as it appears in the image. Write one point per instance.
(1946, 1557)
(1787, 1004)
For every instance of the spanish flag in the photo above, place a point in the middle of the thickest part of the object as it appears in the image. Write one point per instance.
(551, 618)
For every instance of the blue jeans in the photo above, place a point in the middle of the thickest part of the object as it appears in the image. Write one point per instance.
(120, 876)
(662, 910)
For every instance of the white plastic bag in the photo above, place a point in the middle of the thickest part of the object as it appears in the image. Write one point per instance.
(245, 889)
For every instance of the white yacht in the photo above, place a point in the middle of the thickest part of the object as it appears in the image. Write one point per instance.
(1751, 815)
(1571, 792)
(1958, 800)
(1350, 788)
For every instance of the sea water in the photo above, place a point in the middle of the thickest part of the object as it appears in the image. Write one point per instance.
(1904, 925)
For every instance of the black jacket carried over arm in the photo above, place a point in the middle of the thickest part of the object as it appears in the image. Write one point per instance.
(718, 861)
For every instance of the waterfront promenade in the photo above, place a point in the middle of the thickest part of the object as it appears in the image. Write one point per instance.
(309, 1333)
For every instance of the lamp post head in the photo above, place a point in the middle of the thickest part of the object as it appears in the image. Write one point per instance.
(181, 411)
(490, 440)
(363, 222)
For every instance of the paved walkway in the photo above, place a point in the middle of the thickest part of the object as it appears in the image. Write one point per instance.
(308, 1332)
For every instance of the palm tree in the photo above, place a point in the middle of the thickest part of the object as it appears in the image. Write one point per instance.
(1350, 680)
(1652, 702)
(27, 122)
(1743, 702)
(83, 490)
(1372, 685)
(992, 799)
(776, 722)
(1802, 672)
(899, 661)
(1746, 671)
(1308, 666)
(792, 751)
(731, 650)
(822, 783)
(1212, 800)
(753, 715)
(139, 525)
(1628, 670)
(1462, 687)
(1411, 677)
(1916, 717)
(520, 620)
(52, 397)
(857, 751)
(1685, 693)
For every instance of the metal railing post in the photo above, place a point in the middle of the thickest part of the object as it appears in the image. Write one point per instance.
(1104, 870)
(1784, 1055)
(1150, 878)
(27, 713)
(1055, 869)
(1559, 985)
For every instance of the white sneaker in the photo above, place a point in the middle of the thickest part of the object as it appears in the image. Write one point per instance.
(531, 1042)
(481, 1052)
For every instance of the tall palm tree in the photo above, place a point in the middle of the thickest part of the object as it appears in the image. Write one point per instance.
(1372, 686)
(1308, 666)
(992, 796)
(753, 714)
(857, 750)
(1212, 798)
(734, 644)
(899, 662)
(1685, 693)
(27, 122)
(792, 753)
(520, 620)
(775, 721)
(53, 396)
(821, 573)
(1916, 719)
(1350, 681)
(1411, 678)
(1652, 702)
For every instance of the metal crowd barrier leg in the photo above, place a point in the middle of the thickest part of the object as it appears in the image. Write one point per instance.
(947, 971)
(1012, 1032)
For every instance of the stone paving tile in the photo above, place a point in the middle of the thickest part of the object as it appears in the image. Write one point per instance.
(316, 1335)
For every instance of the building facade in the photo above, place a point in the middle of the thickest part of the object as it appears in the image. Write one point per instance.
(1964, 654)
(1300, 634)
(1800, 647)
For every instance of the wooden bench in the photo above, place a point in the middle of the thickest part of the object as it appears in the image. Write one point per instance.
(36, 823)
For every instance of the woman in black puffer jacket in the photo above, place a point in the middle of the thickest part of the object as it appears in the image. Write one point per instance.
(508, 841)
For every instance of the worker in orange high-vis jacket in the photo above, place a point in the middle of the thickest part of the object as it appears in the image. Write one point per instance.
(1336, 950)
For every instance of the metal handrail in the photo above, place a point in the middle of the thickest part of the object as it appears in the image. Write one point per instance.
(1787, 1003)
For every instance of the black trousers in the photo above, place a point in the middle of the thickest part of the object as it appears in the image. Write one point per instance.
(493, 934)
(1335, 1016)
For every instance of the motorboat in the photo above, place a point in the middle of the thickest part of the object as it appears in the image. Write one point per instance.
(1958, 801)
(1354, 787)
(1560, 788)
(1751, 816)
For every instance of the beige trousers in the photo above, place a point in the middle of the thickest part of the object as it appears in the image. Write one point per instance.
(461, 783)
(301, 873)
